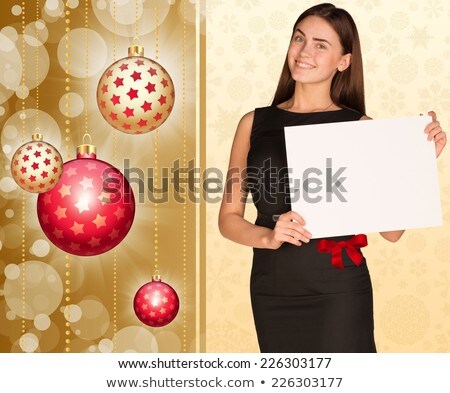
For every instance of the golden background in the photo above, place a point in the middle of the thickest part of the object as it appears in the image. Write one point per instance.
(93, 327)
(406, 53)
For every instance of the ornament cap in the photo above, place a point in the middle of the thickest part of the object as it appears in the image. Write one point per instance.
(37, 137)
(156, 277)
(136, 50)
(86, 149)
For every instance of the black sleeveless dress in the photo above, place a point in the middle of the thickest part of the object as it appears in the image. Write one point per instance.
(300, 301)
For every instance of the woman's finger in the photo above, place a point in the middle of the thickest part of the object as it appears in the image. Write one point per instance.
(431, 126)
(291, 216)
(433, 115)
(433, 133)
(298, 228)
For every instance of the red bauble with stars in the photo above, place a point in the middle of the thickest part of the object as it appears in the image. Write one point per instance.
(156, 303)
(91, 209)
(135, 94)
(37, 166)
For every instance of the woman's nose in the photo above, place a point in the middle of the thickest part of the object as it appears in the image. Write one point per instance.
(305, 51)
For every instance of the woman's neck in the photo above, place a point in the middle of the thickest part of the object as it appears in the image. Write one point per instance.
(310, 98)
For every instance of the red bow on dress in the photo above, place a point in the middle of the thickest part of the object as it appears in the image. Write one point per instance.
(350, 245)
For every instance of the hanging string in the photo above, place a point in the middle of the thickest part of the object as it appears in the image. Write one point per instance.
(184, 166)
(86, 80)
(136, 24)
(67, 282)
(37, 66)
(23, 117)
(115, 159)
(155, 177)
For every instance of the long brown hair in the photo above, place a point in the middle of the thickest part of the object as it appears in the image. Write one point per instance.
(347, 87)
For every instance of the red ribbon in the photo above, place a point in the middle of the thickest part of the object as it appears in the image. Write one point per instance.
(350, 245)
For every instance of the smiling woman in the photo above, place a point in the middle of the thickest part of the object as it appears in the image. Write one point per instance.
(301, 302)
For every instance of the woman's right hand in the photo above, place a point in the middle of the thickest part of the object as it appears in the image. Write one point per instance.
(289, 228)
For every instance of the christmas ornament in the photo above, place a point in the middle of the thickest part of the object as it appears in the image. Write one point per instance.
(91, 209)
(156, 303)
(37, 166)
(135, 94)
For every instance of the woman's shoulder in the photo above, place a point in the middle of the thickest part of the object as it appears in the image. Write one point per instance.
(257, 113)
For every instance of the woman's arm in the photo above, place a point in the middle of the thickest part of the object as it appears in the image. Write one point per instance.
(232, 224)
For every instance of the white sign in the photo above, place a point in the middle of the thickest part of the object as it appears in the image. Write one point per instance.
(363, 176)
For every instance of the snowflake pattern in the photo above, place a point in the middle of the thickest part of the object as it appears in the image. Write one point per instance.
(433, 8)
(267, 45)
(225, 124)
(418, 268)
(435, 96)
(393, 100)
(228, 23)
(369, 5)
(443, 284)
(389, 263)
(389, 44)
(247, 5)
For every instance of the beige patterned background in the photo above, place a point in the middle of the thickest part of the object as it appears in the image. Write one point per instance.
(406, 52)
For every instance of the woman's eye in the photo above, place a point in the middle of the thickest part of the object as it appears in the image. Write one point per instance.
(299, 39)
(321, 46)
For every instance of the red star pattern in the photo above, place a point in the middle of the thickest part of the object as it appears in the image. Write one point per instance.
(147, 106)
(128, 112)
(136, 76)
(42, 172)
(73, 216)
(118, 82)
(132, 93)
(104, 89)
(162, 100)
(131, 83)
(152, 308)
(150, 87)
(142, 123)
(113, 116)
(115, 99)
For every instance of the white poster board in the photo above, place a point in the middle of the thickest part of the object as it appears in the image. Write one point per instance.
(387, 169)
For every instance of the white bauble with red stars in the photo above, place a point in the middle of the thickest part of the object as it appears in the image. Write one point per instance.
(37, 166)
(156, 303)
(91, 209)
(135, 94)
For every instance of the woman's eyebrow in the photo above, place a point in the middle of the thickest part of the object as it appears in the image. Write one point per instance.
(314, 38)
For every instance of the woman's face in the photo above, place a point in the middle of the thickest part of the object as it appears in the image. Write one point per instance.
(315, 53)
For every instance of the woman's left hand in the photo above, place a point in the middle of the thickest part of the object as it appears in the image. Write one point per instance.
(435, 133)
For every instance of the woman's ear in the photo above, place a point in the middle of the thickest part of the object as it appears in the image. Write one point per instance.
(345, 62)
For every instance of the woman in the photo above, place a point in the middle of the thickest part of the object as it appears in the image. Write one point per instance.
(300, 301)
